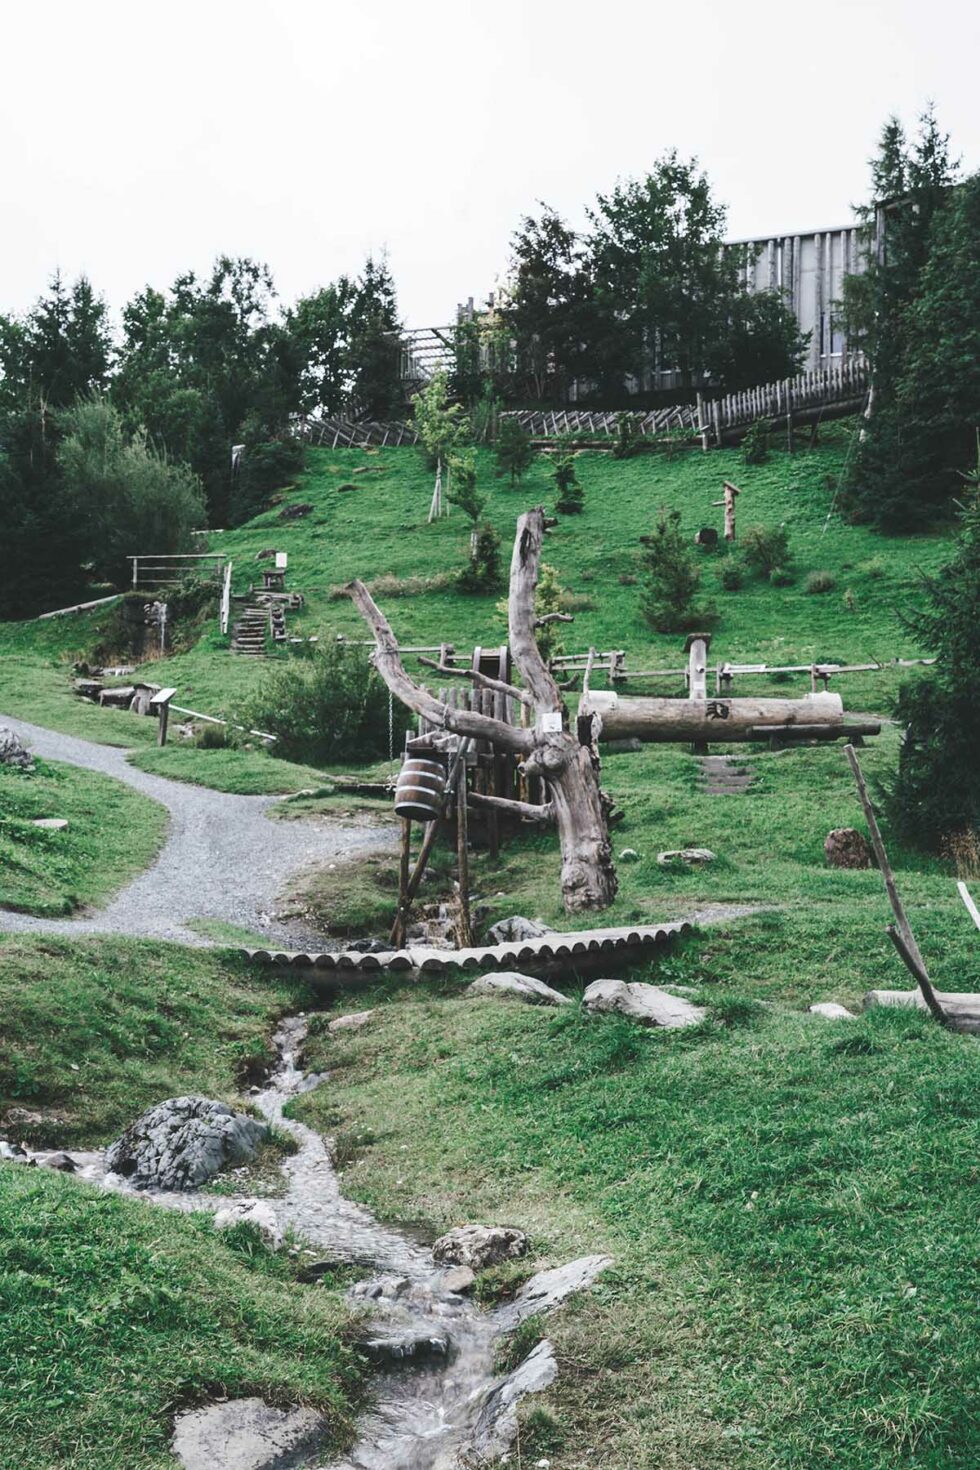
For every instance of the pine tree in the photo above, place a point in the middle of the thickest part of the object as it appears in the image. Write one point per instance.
(934, 801)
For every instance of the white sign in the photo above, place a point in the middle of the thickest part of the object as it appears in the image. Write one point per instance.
(551, 722)
(282, 560)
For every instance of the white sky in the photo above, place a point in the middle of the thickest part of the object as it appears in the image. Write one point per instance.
(140, 141)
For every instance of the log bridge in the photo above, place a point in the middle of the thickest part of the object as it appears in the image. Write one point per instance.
(606, 716)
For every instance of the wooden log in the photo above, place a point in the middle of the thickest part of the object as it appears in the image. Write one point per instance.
(962, 1010)
(661, 720)
(971, 907)
(465, 933)
(902, 936)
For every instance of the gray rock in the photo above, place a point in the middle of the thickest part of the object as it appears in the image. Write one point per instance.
(12, 751)
(548, 1289)
(478, 1246)
(459, 1279)
(246, 1434)
(50, 824)
(516, 930)
(831, 1011)
(382, 1288)
(496, 1428)
(644, 1003)
(257, 1212)
(629, 855)
(184, 1142)
(686, 857)
(846, 847)
(14, 1153)
(353, 1022)
(398, 1346)
(520, 987)
(64, 1163)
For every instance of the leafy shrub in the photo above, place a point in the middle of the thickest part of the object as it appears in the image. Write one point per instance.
(732, 574)
(327, 705)
(755, 445)
(780, 577)
(819, 582)
(671, 579)
(627, 437)
(765, 548)
(873, 568)
(571, 497)
(513, 450)
(265, 467)
(483, 572)
(214, 737)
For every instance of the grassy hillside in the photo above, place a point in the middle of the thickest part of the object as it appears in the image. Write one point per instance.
(113, 833)
(790, 1204)
(97, 1029)
(378, 529)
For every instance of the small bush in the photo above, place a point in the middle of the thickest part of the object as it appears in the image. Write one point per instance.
(214, 737)
(671, 579)
(327, 705)
(732, 574)
(482, 572)
(627, 437)
(571, 496)
(780, 577)
(765, 548)
(818, 582)
(874, 568)
(755, 445)
(514, 451)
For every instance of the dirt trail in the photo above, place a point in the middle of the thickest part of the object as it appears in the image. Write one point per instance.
(224, 858)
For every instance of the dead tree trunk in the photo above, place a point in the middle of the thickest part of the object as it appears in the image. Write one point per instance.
(549, 749)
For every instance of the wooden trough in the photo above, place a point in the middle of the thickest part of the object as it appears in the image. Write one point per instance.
(553, 954)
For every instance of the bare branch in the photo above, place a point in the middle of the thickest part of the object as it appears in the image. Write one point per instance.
(555, 617)
(523, 582)
(387, 660)
(483, 680)
(526, 809)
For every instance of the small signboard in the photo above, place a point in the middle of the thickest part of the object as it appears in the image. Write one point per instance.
(282, 560)
(551, 722)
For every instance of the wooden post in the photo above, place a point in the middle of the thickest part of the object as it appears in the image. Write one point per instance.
(160, 705)
(696, 647)
(901, 933)
(465, 933)
(404, 860)
(730, 492)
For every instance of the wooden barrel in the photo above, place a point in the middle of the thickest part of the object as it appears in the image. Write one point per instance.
(420, 789)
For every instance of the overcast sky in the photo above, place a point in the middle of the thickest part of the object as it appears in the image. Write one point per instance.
(141, 140)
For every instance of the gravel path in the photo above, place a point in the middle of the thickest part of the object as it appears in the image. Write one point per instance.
(224, 858)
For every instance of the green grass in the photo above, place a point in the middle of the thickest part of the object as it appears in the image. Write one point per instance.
(381, 530)
(242, 772)
(790, 1204)
(116, 1314)
(95, 1030)
(113, 833)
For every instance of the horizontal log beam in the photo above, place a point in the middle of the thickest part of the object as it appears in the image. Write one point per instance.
(661, 720)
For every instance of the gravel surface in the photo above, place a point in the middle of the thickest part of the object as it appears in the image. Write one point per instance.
(224, 857)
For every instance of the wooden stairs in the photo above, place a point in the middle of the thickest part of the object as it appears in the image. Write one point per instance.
(249, 634)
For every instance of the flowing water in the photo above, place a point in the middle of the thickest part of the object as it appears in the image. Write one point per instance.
(438, 1404)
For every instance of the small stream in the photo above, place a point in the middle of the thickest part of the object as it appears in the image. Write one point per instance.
(438, 1403)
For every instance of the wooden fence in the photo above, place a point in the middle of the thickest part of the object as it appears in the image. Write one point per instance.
(825, 392)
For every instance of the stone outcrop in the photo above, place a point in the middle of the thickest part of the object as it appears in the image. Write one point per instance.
(846, 847)
(246, 1434)
(644, 1003)
(831, 1011)
(516, 930)
(496, 1429)
(353, 1022)
(257, 1212)
(184, 1142)
(519, 987)
(478, 1246)
(12, 750)
(686, 857)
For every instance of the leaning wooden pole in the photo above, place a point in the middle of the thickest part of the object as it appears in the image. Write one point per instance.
(901, 935)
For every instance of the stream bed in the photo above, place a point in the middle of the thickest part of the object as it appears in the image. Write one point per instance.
(437, 1403)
